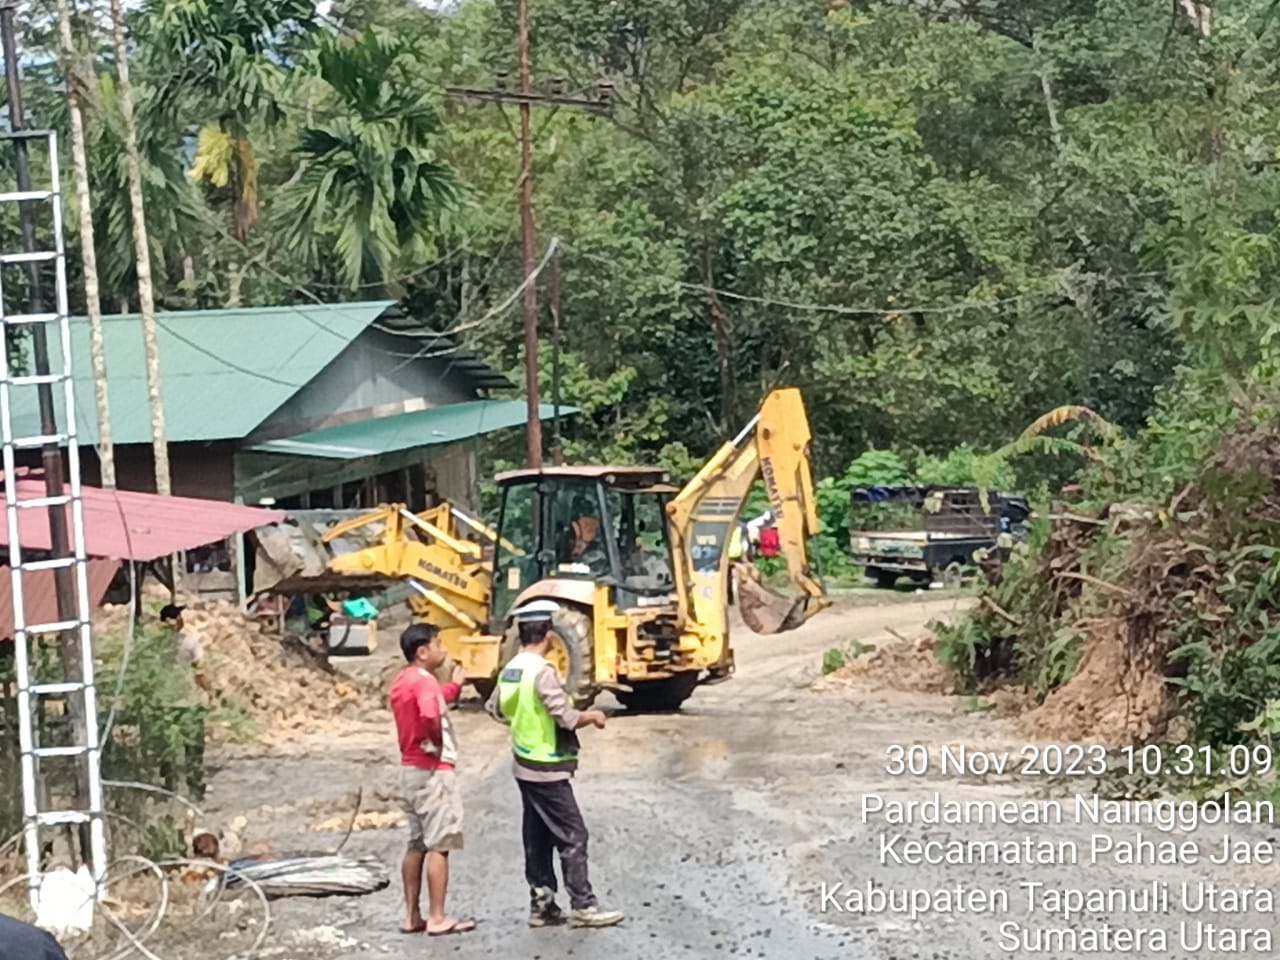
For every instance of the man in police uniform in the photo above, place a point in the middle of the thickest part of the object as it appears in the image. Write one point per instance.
(531, 700)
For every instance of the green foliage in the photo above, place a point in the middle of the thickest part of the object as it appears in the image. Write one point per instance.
(875, 468)
(937, 228)
(836, 657)
(157, 733)
(961, 467)
(833, 660)
(370, 188)
(1226, 690)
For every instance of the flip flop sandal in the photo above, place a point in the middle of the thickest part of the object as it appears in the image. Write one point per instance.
(459, 926)
(421, 929)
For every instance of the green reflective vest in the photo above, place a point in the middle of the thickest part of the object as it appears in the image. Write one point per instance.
(533, 729)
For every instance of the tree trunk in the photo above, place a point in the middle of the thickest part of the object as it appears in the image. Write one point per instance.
(88, 252)
(722, 333)
(235, 279)
(142, 249)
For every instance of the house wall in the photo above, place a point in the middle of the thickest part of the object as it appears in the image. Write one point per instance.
(373, 377)
(453, 471)
(203, 469)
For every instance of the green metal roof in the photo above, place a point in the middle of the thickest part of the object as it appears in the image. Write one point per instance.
(404, 431)
(223, 372)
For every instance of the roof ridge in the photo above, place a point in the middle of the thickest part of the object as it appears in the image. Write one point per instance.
(241, 311)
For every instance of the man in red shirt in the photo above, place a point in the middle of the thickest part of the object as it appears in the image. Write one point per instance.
(428, 783)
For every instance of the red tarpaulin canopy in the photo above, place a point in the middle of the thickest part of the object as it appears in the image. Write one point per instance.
(127, 525)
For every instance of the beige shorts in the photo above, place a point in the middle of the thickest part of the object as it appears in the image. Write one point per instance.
(434, 805)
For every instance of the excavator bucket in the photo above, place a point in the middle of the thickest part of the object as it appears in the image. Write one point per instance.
(293, 557)
(763, 609)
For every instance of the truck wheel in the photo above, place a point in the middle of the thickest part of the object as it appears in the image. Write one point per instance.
(885, 579)
(660, 696)
(573, 654)
(952, 575)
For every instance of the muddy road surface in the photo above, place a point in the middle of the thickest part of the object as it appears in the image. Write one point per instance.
(701, 822)
(716, 830)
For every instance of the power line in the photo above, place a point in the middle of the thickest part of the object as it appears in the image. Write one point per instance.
(840, 309)
(495, 312)
(836, 308)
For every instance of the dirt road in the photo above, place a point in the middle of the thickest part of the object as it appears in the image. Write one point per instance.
(701, 822)
(714, 829)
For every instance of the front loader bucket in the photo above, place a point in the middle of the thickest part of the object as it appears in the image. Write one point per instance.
(766, 611)
(293, 557)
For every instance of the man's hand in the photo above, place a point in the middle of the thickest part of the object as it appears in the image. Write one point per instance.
(459, 676)
(594, 718)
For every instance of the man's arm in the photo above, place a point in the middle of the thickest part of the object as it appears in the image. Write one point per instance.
(553, 697)
(494, 709)
(427, 697)
(452, 690)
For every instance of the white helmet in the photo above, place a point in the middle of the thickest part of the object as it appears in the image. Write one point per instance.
(536, 610)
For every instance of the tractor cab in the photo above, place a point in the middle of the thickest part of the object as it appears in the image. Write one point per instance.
(584, 526)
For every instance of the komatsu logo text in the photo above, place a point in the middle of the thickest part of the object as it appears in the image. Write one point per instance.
(440, 574)
(771, 485)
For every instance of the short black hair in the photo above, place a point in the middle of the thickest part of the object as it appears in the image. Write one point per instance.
(533, 631)
(170, 611)
(417, 635)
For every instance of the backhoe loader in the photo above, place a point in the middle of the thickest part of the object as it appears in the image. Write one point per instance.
(638, 568)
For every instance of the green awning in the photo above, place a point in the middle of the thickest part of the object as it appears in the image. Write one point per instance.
(405, 431)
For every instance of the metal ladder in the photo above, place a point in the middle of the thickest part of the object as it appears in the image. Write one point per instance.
(31, 694)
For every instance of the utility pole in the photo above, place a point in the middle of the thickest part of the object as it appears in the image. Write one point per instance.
(601, 104)
(50, 453)
(529, 243)
(557, 448)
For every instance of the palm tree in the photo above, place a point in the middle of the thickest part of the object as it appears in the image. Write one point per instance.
(178, 223)
(146, 295)
(71, 66)
(370, 184)
(221, 63)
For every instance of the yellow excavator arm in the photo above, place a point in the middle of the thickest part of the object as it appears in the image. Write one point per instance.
(774, 447)
(447, 573)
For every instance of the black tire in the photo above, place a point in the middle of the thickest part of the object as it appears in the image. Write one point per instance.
(885, 579)
(573, 626)
(660, 696)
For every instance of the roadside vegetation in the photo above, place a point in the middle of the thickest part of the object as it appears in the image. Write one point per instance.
(941, 223)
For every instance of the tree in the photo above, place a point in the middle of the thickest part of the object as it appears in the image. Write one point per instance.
(76, 78)
(222, 63)
(370, 182)
(146, 295)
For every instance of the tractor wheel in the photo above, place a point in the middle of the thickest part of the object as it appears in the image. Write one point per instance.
(660, 696)
(572, 653)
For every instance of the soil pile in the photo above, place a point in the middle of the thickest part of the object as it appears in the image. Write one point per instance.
(282, 685)
(905, 664)
(1150, 594)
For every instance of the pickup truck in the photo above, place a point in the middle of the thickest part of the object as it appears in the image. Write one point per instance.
(954, 526)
